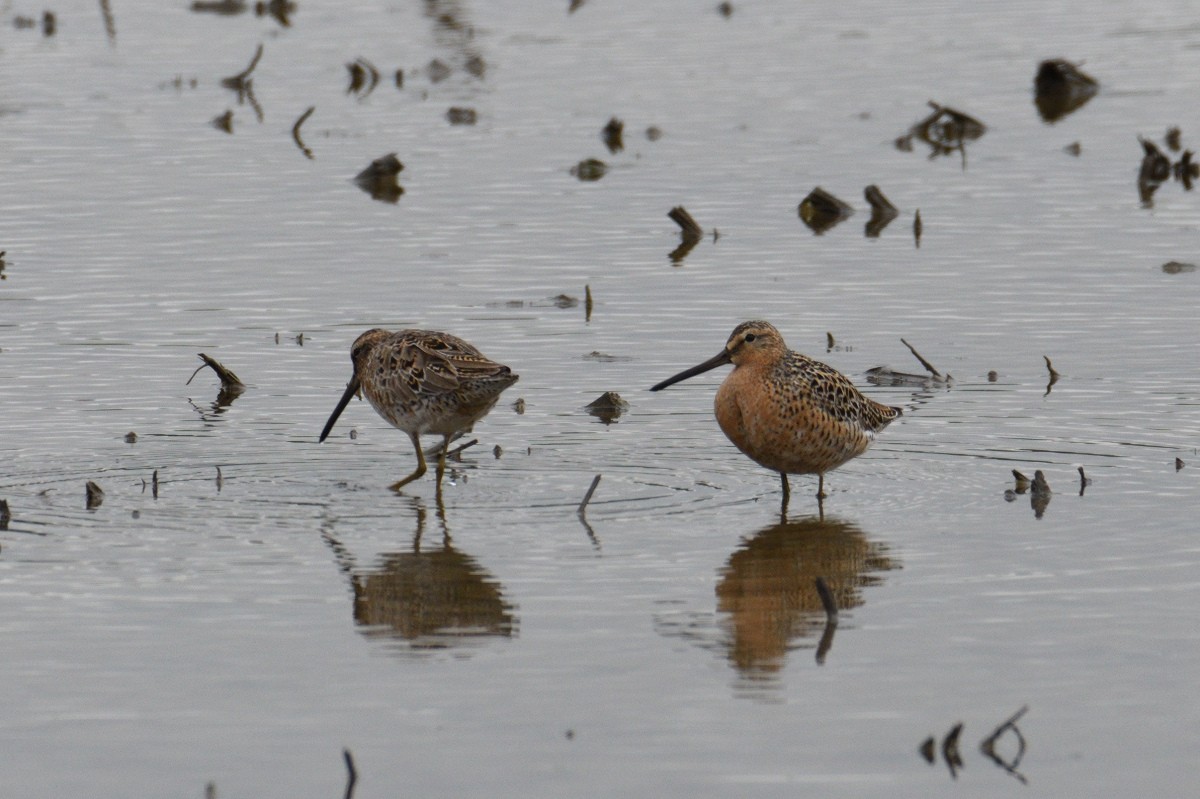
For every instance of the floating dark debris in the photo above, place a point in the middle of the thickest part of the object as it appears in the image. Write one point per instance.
(519, 406)
(225, 8)
(461, 116)
(296, 132)
(1173, 138)
(1179, 464)
(49, 23)
(1155, 169)
(1178, 267)
(279, 10)
(437, 71)
(1084, 481)
(379, 179)
(1022, 482)
(575, 5)
(399, 78)
(94, 495)
(608, 407)
(725, 9)
(1061, 88)
(945, 130)
(993, 376)
(653, 133)
(918, 227)
(1186, 170)
(1039, 494)
(950, 752)
(565, 301)
(224, 122)
(885, 376)
(1074, 148)
(587, 303)
(589, 169)
(613, 135)
(5, 514)
(882, 211)
(604, 357)
(689, 230)
(131, 437)
(820, 210)
(475, 65)
(363, 78)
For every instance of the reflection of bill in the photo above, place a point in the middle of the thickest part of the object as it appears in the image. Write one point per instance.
(768, 588)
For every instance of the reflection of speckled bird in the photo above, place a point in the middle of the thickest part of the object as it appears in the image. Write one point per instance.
(786, 411)
(422, 381)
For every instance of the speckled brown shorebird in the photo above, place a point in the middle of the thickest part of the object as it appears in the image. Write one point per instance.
(786, 411)
(422, 381)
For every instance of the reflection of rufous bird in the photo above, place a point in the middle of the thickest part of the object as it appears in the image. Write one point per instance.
(421, 381)
(768, 587)
(786, 411)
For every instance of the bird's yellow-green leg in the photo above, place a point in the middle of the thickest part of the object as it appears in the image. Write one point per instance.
(441, 467)
(420, 470)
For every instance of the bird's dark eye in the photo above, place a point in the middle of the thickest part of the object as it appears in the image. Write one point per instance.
(749, 337)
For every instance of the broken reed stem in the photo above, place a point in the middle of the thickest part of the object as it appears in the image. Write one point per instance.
(241, 76)
(928, 366)
(1053, 374)
(588, 496)
(296, 131)
(227, 377)
(454, 453)
(691, 229)
(351, 773)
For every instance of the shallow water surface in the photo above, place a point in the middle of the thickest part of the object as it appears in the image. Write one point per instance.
(245, 603)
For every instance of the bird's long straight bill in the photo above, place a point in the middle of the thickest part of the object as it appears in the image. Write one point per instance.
(712, 363)
(351, 390)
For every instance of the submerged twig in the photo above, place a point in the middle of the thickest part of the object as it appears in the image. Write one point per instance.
(456, 453)
(1054, 375)
(588, 496)
(351, 773)
(928, 366)
(238, 82)
(296, 132)
(988, 746)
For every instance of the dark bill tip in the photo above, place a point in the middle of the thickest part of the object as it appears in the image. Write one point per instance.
(720, 359)
(351, 390)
